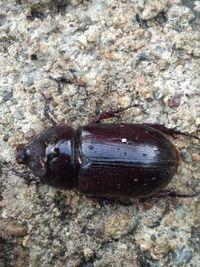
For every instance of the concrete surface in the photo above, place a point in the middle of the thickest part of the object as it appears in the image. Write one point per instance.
(107, 54)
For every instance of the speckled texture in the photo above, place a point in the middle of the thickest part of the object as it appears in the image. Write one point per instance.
(106, 54)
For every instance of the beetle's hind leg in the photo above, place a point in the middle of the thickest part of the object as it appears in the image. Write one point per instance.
(111, 114)
(170, 131)
(173, 194)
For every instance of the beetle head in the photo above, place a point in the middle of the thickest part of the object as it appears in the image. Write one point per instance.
(32, 155)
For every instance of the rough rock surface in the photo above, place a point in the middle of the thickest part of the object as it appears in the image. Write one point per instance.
(106, 54)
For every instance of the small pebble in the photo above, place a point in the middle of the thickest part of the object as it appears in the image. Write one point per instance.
(16, 230)
(196, 157)
(7, 95)
(34, 57)
(186, 155)
(28, 80)
(143, 57)
(18, 115)
(5, 137)
(88, 253)
(175, 101)
(154, 224)
(183, 257)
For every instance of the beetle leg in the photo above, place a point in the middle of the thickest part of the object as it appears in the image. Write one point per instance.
(173, 194)
(28, 177)
(111, 114)
(48, 113)
(61, 82)
(34, 179)
(170, 131)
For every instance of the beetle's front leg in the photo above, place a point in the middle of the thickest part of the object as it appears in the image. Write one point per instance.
(110, 114)
(170, 131)
(28, 177)
(48, 113)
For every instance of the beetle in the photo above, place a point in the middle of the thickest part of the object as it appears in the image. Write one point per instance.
(105, 160)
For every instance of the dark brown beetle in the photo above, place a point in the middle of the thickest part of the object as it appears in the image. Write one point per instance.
(105, 160)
